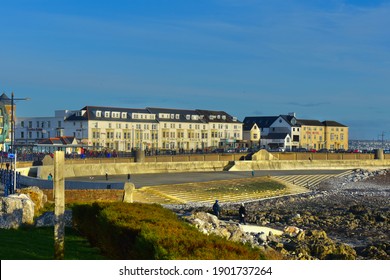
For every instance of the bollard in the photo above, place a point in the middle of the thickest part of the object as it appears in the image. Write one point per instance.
(379, 154)
(139, 156)
(128, 192)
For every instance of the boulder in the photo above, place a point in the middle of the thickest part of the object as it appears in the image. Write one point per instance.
(47, 219)
(36, 195)
(16, 209)
(210, 224)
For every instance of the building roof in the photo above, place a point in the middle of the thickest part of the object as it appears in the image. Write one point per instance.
(5, 99)
(63, 140)
(333, 123)
(275, 136)
(262, 122)
(176, 115)
(310, 122)
(217, 116)
(290, 119)
(129, 114)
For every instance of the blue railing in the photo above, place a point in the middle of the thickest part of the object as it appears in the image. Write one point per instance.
(7, 179)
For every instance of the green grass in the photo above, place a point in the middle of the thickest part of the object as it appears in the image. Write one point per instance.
(38, 244)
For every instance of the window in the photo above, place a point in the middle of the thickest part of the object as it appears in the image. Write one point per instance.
(22, 135)
(98, 114)
(106, 114)
(22, 124)
(124, 115)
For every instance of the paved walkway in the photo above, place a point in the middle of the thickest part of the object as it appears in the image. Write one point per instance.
(142, 180)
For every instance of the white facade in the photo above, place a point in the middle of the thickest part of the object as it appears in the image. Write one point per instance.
(124, 129)
(30, 130)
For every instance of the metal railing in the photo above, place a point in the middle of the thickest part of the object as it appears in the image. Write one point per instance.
(8, 181)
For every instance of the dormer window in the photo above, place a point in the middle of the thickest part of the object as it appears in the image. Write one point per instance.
(98, 114)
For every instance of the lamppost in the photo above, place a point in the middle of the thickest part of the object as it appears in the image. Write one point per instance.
(13, 99)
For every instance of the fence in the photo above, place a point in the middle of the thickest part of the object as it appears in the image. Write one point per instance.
(7, 179)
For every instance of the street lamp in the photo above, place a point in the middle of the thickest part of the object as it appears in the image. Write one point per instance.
(13, 133)
(13, 99)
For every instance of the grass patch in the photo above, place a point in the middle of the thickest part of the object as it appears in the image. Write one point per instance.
(30, 243)
(247, 186)
(226, 190)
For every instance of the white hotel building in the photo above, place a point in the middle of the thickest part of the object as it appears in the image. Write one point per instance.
(125, 129)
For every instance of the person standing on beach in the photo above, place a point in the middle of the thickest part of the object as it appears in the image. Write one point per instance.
(216, 209)
(242, 214)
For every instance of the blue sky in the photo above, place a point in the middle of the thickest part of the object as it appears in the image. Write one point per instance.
(324, 60)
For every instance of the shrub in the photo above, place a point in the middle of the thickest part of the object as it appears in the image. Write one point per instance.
(148, 231)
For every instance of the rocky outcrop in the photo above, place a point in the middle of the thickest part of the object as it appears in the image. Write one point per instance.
(21, 208)
(294, 243)
(16, 209)
(47, 219)
(352, 214)
(36, 195)
(312, 245)
(210, 224)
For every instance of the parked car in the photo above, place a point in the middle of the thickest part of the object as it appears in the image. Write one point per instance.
(312, 150)
(323, 151)
(300, 150)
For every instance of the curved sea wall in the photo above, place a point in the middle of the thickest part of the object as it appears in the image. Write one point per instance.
(308, 164)
(86, 169)
(76, 170)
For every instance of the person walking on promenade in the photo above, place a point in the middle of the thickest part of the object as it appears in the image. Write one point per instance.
(242, 214)
(216, 209)
(50, 177)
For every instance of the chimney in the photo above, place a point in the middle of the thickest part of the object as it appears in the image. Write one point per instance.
(292, 114)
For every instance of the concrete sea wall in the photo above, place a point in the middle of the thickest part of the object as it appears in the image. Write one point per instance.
(87, 169)
(308, 164)
(76, 170)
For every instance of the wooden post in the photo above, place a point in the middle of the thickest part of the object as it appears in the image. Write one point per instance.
(59, 199)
